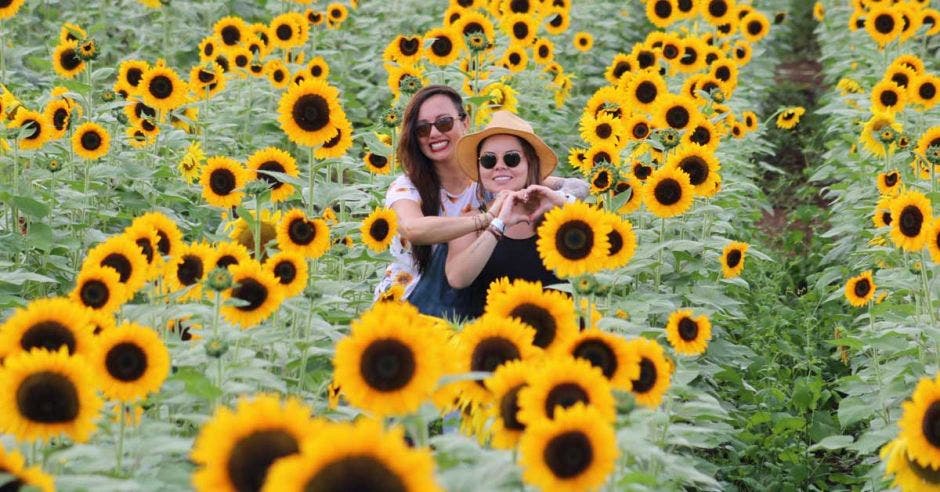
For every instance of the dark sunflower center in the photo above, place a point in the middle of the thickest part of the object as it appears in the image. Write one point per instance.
(48, 397)
(222, 181)
(930, 425)
(662, 9)
(888, 97)
(601, 157)
(685, 5)
(733, 258)
(146, 248)
(285, 271)
(616, 242)
(491, 353)
(599, 354)
(161, 87)
(911, 220)
(701, 136)
(646, 92)
(134, 75)
(514, 58)
(538, 318)
(335, 140)
(231, 35)
(925, 473)
(409, 46)
(36, 128)
(564, 395)
(886, 218)
(141, 110)
(60, 118)
(387, 365)
(574, 240)
(723, 73)
(49, 335)
(696, 168)
(647, 377)
(884, 23)
(284, 32)
(120, 263)
(126, 362)
(252, 455)
(316, 71)
(621, 68)
(927, 91)
(69, 60)
(668, 192)
(688, 329)
(509, 409)
(301, 231)
(442, 46)
(900, 79)
(163, 243)
(278, 75)
(519, 6)
(378, 161)
(568, 454)
(189, 270)
(359, 473)
(670, 51)
(601, 180)
(891, 179)
(645, 59)
(225, 261)
(862, 288)
(274, 167)
(94, 294)
(604, 130)
(677, 117)
(754, 28)
(379, 230)
(717, 8)
(311, 112)
(543, 51)
(14, 484)
(251, 291)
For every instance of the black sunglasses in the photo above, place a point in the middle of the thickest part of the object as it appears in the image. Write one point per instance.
(511, 158)
(443, 124)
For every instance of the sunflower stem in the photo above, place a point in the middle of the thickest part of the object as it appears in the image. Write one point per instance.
(876, 364)
(302, 370)
(120, 447)
(3, 65)
(659, 263)
(928, 302)
(257, 227)
(91, 90)
(14, 211)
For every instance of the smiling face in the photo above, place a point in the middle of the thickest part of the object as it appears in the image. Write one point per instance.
(439, 146)
(502, 177)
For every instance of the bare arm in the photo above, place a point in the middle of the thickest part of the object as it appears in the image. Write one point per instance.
(467, 255)
(575, 187)
(419, 229)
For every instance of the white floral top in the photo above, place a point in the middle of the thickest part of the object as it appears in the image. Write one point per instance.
(403, 270)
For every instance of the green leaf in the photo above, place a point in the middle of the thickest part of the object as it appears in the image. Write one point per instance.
(19, 277)
(197, 384)
(40, 236)
(833, 442)
(31, 207)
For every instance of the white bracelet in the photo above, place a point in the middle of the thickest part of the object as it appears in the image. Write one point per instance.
(499, 225)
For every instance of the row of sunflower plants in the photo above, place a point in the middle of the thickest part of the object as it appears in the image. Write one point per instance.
(878, 173)
(191, 236)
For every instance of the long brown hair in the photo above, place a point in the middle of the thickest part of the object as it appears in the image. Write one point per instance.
(419, 169)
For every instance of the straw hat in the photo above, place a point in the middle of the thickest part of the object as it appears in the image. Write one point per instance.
(504, 123)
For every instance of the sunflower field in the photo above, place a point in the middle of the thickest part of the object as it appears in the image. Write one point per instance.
(192, 226)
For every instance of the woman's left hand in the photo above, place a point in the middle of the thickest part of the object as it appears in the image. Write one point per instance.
(538, 199)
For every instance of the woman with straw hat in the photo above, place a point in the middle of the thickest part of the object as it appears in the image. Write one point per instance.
(507, 159)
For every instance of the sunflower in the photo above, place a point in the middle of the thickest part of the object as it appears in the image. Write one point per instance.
(607, 352)
(222, 180)
(575, 451)
(289, 30)
(66, 61)
(229, 253)
(637, 127)
(131, 362)
(272, 159)
(515, 59)
(674, 112)
(206, 80)
(124, 257)
(563, 381)
(742, 52)
(602, 128)
(376, 163)
(662, 13)
(405, 49)
(928, 139)
(235, 449)
(291, 271)
(789, 117)
(699, 164)
(307, 112)
(59, 113)
(445, 48)
(869, 135)
(188, 269)
(930, 18)
(543, 51)
(99, 288)
(486, 344)
(318, 68)
(573, 240)
(629, 184)
(702, 133)
(717, 12)
(912, 212)
(598, 154)
(655, 370)
(504, 386)
(889, 183)
(919, 424)
(388, 366)
(668, 192)
(339, 143)
(297, 233)
(379, 228)
(925, 90)
(688, 335)
(859, 290)
(887, 97)
(34, 128)
(644, 90)
(908, 474)
(258, 294)
(755, 26)
(277, 73)
(162, 88)
(557, 19)
(169, 237)
(13, 464)
(732, 258)
(354, 456)
(48, 394)
(620, 68)
(48, 324)
(336, 14)
(884, 24)
(622, 241)
(693, 56)
(91, 141)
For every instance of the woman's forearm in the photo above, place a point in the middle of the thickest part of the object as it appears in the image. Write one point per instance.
(463, 267)
(436, 230)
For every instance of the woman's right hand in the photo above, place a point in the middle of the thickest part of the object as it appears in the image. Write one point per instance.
(496, 206)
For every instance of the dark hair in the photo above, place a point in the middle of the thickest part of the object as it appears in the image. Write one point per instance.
(531, 157)
(419, 169)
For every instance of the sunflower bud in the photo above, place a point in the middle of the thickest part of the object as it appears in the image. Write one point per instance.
(887, 135)
(718, 96)
(219, 279)
(121, 118)
(392, 117)
(216, 347)
(904, 141)
(933, 154)
(668, 137)
(476, 41)
(107, 96)
(584, 285)
(54, 166)
(410, 84)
